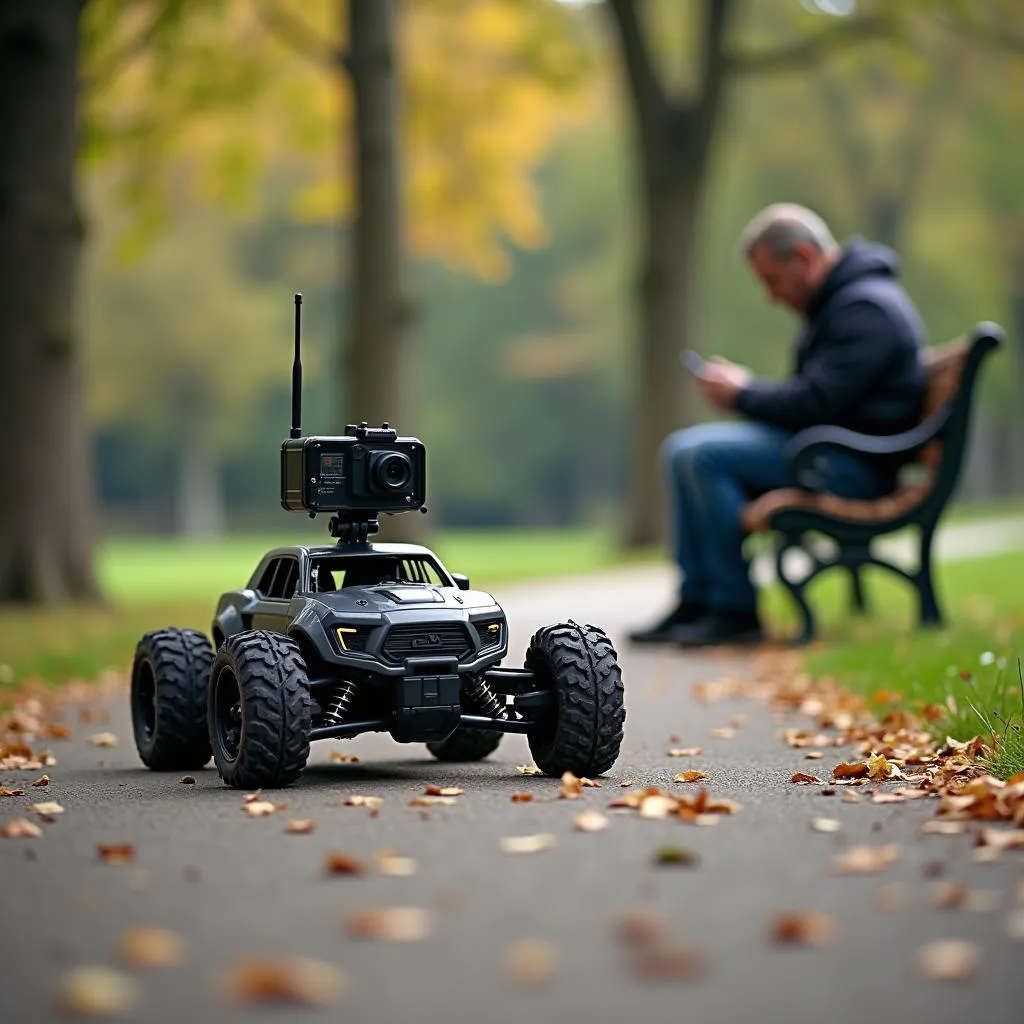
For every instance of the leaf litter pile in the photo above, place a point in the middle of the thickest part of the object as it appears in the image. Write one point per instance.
(893, 760)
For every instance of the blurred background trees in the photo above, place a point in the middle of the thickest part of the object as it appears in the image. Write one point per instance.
(567, 183)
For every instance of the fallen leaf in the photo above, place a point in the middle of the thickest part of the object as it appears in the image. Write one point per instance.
(20, 828)
(528, 769)
(684, 752)
(342, 864)
(863, 860)
(431, 801)
(43, 780)
(521, 798)
(806, 928)
(950, 895)
(260, 808)
(391, 863)
(680, 856)
(152, 947)
(98, 992)
(46, 810)
(590, 783)
(850, 771)
(188, 780)
(528, 844)
(825, 824)
(850, 797)
(813, 755)
(803, 779)
(12, 792)
(372, 802)
(625, 783)
(879, 768)
(571, 787)
(116, 853)
(300, 826)
(657, 806)
(948, 959)
(393, 924)
(591, 820)
(292, 980)
(723, 732)
(691, 776)
(658, 962)
(444, 791)
(532, 962)
(639, 926)
(103, 739)
(337, 757)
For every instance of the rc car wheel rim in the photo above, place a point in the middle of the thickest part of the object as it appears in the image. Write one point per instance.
(228, 714)
(145, 700)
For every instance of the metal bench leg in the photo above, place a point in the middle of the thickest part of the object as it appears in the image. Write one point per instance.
(796, 590)
(858, 601)
(930, 614)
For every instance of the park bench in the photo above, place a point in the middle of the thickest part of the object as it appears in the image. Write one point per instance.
(931, 454)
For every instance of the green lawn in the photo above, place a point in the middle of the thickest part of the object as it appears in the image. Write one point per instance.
(971, 665)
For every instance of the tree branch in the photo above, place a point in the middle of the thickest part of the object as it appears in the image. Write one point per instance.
(811, 50)
(716, 58)
(649, 97)
(304, 40)
(112, 66)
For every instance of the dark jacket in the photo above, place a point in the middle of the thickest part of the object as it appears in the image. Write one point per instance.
(858, 358)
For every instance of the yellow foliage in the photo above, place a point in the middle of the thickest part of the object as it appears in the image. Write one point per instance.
(486, 86)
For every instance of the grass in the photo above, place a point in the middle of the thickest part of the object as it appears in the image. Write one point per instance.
(970, 667)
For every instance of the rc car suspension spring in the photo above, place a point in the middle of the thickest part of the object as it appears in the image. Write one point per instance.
(486, 699)
(338, 704)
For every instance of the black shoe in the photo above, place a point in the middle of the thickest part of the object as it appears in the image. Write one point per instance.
(720, 626)
(662, 632)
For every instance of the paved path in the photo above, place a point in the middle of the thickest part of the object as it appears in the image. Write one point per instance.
(231, 885)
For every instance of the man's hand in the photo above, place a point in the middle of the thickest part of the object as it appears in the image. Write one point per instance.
(721, 381)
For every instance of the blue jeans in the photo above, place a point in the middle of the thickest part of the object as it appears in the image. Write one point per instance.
(712, 471)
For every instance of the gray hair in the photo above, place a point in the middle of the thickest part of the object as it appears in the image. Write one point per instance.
(781, 226)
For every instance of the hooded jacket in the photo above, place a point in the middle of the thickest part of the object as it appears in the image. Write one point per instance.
(858, 357)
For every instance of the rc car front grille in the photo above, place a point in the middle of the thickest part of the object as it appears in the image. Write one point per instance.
(450, 638)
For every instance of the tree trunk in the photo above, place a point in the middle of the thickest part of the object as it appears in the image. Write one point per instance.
(46, 500)
(376, 352)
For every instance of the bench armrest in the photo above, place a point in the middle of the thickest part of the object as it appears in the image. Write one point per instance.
(805, 448)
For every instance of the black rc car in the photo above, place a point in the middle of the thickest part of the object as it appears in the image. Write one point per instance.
(335, 640)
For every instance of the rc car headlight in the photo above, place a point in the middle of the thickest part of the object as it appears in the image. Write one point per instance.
(491, 632)
(350, 638)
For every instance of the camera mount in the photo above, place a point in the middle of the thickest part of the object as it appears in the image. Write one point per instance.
(358, 476)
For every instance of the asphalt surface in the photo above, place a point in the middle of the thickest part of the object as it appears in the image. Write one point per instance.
(233, 885)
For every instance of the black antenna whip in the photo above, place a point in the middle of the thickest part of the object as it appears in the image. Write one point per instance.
(296, 430)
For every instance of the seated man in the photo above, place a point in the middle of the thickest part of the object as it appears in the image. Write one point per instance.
(857, 364)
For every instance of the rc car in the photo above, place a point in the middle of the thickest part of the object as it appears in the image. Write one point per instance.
(334, 640)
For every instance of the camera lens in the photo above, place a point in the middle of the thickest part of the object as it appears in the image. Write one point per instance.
(392, 471)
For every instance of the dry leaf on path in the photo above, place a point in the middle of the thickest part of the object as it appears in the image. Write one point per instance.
(850, 771)
(20, 828)
(98, 992)
(806, 928)
(12, 792)
(43, 780)
(570, 788)
(444, 791)
(803, 779)
(532, 962)
(680, 856)
(521, 798)
(188, 780)
(152, 947)
(342, 864)
(684, 752)
(261, 808)
(337, 757)
(528, 844)
(528, 769)
(591, 820)
(690, 776)
(116, 853)
(372, 802)
(389, 862)
(433, 801)
(723, 732)
(392, 924)
(103, 739)
(865, 860)
(290, 980)
(825, 824)
(300, 826)
(948, 959)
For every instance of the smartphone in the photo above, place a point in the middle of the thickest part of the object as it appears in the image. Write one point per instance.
(693, 362)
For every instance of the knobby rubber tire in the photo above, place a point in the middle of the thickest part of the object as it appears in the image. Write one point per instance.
(585, 732)
(275, 704)
(176, 662)
(466, 744)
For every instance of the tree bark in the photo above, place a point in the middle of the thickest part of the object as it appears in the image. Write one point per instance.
(674, 142)
(46, 499)
(375, 359)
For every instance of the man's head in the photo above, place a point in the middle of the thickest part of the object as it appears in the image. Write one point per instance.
(790, 249)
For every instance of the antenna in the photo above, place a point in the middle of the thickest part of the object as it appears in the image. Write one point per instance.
(296, 430)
